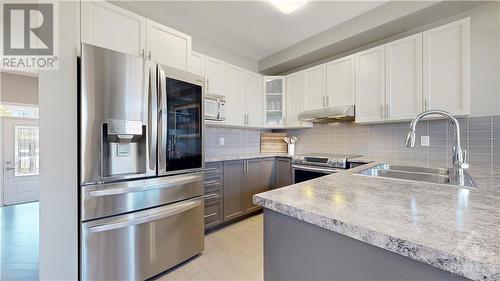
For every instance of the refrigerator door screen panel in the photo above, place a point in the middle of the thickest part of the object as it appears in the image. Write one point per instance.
(181, 117)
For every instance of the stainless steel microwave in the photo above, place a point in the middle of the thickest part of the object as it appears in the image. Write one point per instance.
(215, 107)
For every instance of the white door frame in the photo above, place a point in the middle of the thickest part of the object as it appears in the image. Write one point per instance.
(2, 155)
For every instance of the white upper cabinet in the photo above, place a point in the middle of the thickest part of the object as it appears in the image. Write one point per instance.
(168, 46)
(446, 67)
(295, 88)
(340, 82)
(215, 76)
(108, 26)
(403, 76)
(315, 87)
(274, 101)
(197, 63)
(370, 85)
(235, 96)
(253, 99)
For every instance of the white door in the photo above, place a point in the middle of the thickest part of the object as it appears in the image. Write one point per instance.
(168, 46)
(370, 85)
(21, 161)
(108, 26)
(235, 96)
(403, 73)
(197, 63)
(340, 80)
(315, 85)
(447, 67)
(253, 99)
(295, 98)
(215, 76)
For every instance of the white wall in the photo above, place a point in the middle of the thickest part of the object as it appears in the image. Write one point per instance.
(58, 155)
(213, 49)
(17, 88)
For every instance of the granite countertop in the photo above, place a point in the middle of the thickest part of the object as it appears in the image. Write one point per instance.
(451, 228)
(240, 156)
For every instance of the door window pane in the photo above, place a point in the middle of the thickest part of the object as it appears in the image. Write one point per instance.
(26, 151)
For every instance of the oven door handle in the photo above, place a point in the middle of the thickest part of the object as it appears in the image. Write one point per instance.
(314, 169)
(147, 216)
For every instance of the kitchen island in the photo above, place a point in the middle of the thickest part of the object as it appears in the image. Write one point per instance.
(346, 226)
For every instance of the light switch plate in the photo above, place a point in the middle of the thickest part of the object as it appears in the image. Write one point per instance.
(425, 141)
(221, 141)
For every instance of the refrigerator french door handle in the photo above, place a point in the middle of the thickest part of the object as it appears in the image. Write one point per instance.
(163, 212)
(123, 188)
(162, 122)
(152, 115)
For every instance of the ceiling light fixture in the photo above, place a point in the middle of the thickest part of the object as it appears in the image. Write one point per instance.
(288, 6)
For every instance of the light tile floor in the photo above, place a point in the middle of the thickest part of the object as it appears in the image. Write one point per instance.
(231, 253)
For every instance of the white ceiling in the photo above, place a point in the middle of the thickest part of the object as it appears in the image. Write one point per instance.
(255, 29)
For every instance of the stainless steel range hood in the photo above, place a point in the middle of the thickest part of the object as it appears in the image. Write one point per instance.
(328, 115)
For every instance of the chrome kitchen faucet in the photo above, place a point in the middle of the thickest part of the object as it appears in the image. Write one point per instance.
(460, 156)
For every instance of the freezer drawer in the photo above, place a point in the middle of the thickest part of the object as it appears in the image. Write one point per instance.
(117, 198)
(142, 244)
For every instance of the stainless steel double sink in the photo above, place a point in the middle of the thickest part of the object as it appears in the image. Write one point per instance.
(431, 175)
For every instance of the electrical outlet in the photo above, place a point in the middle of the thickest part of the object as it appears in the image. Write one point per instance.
(425, 141)
(221, 141)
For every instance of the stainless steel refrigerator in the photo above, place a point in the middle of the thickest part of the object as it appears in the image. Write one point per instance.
(141, 166)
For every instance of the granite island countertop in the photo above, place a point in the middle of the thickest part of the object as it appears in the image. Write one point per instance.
(451, 228)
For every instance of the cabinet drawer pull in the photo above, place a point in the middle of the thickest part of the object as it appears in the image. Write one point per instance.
(211, 196)
(211, 183)
(210, 215)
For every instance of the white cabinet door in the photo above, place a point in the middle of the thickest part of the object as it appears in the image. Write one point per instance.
(235, 95)
(197, 63)
(403, 73)
(340, 77)
(168, 46)
(446, 67)
(370, 84)
(215, 76)
(253, 99)
(295, 98)
(108, 26)
(315, 87)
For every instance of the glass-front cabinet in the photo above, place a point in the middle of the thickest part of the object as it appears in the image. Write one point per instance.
(274, 101)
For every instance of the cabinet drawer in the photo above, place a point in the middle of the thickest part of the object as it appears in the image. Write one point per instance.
(213, 213)
(214, 169)
(213, 183)
(213, 196)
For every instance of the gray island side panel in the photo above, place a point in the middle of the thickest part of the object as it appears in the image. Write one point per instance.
(297, 250)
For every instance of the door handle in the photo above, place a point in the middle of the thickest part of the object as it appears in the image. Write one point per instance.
(9, 168)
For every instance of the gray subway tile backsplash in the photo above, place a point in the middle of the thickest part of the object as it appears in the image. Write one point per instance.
(383, 142)
(386, 142)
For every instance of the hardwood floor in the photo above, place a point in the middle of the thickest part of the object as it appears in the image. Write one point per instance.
(231, 253)
(19, 242)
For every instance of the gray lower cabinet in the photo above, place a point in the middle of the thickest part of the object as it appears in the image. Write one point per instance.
(283, 172)
(268, 173)
(252, 183)
(234, 192)
(231, 185)
(214, 191)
